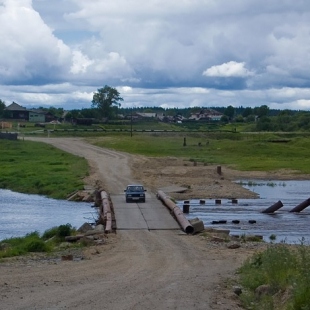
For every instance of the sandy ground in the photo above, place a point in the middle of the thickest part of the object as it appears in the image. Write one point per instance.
(137, 269)
(201, 181)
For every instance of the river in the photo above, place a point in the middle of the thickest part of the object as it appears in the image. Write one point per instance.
(21, 213)
(286, 226)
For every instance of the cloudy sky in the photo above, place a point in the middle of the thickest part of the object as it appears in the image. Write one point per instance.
(168, 53)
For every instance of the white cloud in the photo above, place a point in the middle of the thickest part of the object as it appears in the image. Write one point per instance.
(113, 65)
(38, 99)
(229, 69)
(303, 104)
(85, 96)
(126, 89)
(80, 62)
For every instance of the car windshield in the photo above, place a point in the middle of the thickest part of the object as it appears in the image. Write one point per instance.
(135, 188)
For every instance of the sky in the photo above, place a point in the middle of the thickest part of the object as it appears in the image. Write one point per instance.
(166, 53)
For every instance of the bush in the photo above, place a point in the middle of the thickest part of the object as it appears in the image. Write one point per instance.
(20, 246)
(36, 245)
(59, 232)
(32, 242)
(64, 231)
(50, 233)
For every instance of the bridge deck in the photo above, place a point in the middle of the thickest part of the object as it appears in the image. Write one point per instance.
(151, 215)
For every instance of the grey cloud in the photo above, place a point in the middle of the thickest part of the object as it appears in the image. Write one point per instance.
(161, 45)
(29, 51)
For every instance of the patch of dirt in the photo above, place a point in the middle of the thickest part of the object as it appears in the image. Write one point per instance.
(201, 181)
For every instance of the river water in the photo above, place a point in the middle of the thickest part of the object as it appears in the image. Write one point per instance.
(286, 226)
(21, 213)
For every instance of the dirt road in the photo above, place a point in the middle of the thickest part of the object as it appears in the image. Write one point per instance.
(135, 269)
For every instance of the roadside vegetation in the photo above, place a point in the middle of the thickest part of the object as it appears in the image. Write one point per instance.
(277, 278)
(34, 242)
(38, 168)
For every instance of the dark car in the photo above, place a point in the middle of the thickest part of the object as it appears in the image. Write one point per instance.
(135, 192)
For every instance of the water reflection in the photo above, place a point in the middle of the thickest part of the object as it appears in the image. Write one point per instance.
(21, 214)
(288, 227)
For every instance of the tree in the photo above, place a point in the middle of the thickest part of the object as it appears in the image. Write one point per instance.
(2, 107)
(261, 111)
(247, 111)
(225, 119)
(106, 100)
(72, 114)
(58, 112)
(239, 118)
(230, 112)
(264, 124)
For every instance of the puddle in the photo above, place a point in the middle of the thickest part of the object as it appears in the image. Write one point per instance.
(286, 226)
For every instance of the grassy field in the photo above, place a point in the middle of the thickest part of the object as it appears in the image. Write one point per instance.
(31, 167)
(257, 152)
(38, 168)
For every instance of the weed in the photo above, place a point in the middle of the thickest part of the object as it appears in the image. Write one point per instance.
(283, 269)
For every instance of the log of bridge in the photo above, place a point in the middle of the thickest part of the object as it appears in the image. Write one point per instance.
(274, 207)
(301, 206)
(105, 212)
(179, 215)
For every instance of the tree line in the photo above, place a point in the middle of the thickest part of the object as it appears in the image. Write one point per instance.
(106, 105)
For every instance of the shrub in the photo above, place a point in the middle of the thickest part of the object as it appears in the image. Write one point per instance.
(32, 242)
(36, 245)
(22, 245)
(60, 232)
(64, 230)
(50, 233)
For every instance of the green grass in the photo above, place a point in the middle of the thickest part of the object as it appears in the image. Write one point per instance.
(239, 151)
(38, 168)
(33, 242)
(23, 245)
(285, 271)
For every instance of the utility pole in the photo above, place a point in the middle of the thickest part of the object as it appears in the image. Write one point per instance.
(131, 124)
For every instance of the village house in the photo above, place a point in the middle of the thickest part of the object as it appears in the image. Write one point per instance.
(16, 112)
(206, 115)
